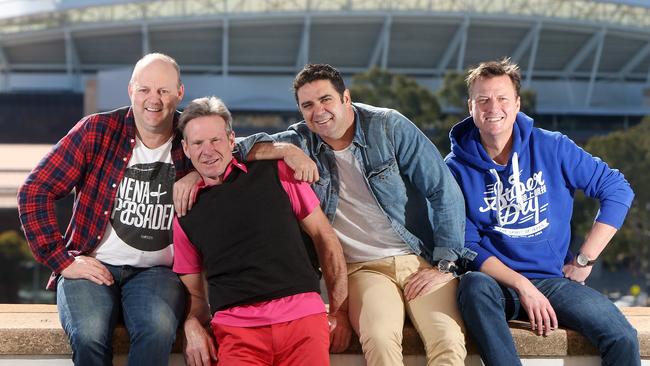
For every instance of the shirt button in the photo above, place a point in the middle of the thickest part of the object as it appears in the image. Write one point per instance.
(124, 158)
(105, 212)
(132, 140)
(99, 237)
(114, 185)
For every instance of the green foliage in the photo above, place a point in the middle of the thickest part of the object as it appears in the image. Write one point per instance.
(528, 101)
(628, 151)
(13, 247)
(13, 253)
(380, 88)
(453, 91)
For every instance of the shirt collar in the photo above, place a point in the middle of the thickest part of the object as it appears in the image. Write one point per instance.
(233, 163)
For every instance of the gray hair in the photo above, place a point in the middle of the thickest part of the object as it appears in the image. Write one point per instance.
(206, 106)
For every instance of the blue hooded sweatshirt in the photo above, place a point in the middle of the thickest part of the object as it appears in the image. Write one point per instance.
(521, 212)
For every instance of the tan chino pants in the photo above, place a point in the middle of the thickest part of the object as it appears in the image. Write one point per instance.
(377, 308)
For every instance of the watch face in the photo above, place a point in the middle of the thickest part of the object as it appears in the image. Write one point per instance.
(445, 266)
(582, 260)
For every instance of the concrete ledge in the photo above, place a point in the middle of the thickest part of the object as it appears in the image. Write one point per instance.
(36, 330)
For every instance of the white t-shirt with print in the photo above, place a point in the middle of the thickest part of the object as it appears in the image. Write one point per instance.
(139, 230)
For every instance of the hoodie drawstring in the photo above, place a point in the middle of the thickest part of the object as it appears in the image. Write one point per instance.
(496, 188)
(517, 182)
(516, 186)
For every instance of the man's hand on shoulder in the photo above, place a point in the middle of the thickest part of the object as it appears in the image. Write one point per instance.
(540, 312)
(198, 346)
(422, 281)
(90, 269)
(185, 191)
(304, 168)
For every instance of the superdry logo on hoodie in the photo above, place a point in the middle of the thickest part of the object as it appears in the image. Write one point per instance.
(518, 204)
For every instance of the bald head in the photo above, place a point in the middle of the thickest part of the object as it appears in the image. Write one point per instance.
(152, 58)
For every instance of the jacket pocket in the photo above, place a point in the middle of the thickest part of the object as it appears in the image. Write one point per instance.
(384, 170)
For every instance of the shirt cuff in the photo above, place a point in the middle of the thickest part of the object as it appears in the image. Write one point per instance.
(244, 145)
(451, 254)
(612, 213)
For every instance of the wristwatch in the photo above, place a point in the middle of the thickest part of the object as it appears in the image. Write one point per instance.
(584, 261)
(446, 266)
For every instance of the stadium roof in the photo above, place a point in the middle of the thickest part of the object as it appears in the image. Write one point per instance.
(594, 46)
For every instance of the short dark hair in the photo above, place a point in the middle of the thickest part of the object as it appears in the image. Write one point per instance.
(491, 69)
(201, 107)
(315, 72)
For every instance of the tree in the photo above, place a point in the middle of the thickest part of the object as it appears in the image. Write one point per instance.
(13, 254)
(628, 151)
(453, 92)
(381, 88)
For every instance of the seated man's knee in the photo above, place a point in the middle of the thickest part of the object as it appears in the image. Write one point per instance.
(90, 335)
(474, 284)
(445, 338)
(158, 322)
(161, 326)
(626, 340)
(88, 328)
(477, 292)
(447, 345)
(377, 338)
(158, 329)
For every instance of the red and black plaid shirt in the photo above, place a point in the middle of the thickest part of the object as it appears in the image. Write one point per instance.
(91, 159)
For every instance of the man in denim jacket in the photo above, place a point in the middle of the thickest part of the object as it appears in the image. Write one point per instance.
(396, 209)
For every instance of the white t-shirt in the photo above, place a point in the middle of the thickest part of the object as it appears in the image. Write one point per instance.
(362, 227)
(139, 231)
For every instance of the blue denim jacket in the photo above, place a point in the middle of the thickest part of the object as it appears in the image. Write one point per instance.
(405, 173)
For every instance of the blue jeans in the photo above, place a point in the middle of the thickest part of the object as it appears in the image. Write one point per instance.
(486, 307)
(150, 300)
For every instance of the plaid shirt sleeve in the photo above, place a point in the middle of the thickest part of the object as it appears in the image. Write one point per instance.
(58, 173)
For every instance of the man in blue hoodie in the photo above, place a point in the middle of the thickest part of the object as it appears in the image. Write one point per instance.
(518, 182)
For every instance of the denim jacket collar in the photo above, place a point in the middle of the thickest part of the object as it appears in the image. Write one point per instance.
(359, 137)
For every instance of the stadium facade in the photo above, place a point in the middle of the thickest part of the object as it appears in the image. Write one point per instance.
(583, 58)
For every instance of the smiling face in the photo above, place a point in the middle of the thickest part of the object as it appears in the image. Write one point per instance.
(327, 113)
(494, 104)
(155, 92)
(209, 146)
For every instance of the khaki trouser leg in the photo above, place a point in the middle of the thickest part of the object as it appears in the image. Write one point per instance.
(436, 317)
(376, 311)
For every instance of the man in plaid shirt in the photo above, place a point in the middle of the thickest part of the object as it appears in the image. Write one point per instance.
(116, 254)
